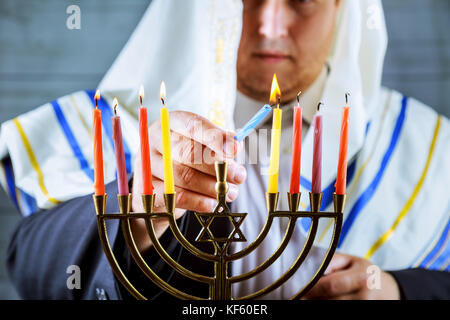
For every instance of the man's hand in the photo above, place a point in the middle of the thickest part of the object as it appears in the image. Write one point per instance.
(346, 278)
(196, 144)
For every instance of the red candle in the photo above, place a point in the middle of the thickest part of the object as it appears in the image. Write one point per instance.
(296, 149)
(122, 179)
(341, 178)
(99, 183)
(145, 148)
(316, 183)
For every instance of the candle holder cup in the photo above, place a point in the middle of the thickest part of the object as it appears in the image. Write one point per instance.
(220, 285)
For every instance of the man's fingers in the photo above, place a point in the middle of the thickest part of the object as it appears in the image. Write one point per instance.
(205, 132)
(338, 262)
(187, 200)
(191, 179)
(337, 284)
(197, 156)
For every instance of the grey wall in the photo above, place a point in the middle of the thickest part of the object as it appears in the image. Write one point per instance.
(40, 60)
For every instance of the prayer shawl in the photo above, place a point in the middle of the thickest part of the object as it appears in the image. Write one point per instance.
(398, 209)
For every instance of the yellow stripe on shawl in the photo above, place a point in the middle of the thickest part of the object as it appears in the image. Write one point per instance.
(34, 162)
(407, 207)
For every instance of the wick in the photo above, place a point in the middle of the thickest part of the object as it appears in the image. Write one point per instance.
(140, 99)
(278, 102)
(347, 94)
(318, 106)
(298, 97)
(163, 102)
(115, 109)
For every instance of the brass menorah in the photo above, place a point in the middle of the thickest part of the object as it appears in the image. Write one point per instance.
(220, 285)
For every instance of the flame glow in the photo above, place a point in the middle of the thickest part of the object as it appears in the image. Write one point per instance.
(141, 92)
(97, 95)
(162, 91)
(275, 92)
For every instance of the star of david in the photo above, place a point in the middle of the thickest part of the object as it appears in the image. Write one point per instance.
(220, 243)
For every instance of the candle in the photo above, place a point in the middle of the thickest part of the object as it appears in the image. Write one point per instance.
(296, 148)
(122, 179)
(253, 122)
(276, 137)
(341, 178)
(99, 183)
(169, 187)
(147, 183)
(316, 182)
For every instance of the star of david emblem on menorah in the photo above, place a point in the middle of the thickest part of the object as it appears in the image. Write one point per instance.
(220, 285)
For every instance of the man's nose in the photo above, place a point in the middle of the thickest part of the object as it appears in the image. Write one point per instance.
(273, 19)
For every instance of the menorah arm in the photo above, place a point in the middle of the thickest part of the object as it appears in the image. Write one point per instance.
(329, 255)
(263, 266)
(169, 260)
(252, 246)
(186, 244)
(126, 228)
(293, 268)
(103, 233)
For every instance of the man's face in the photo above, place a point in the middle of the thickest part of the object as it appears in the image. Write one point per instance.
(291, 38)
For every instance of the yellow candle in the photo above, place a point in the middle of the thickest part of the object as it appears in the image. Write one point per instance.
(275, 152)
(166, 145)
(276, 138)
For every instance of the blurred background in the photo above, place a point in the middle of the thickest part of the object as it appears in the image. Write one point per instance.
(41, 60)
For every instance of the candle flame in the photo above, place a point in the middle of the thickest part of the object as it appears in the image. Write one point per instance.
(275, 92)
(115, 103)
(162, 92)
(141, 94)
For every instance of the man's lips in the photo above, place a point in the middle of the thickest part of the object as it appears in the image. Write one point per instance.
(271, 57)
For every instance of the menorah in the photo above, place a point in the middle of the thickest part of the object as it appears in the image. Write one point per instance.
(220, 285)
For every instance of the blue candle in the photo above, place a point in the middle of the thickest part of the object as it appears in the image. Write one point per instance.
(253, 122)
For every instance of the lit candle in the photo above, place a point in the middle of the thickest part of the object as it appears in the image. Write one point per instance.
(99, 183)
(276, 137)
(316, 183)
(296, 148)
(169, 187)
(122, 179)
(341, 178)
(147, 183)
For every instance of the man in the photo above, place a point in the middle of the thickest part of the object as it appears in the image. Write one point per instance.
(397, 172)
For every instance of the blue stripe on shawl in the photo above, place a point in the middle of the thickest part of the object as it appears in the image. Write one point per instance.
(442, 241)
(72, 140)
(28, 203)
(107, 125)
(365, 197)
(10, 181)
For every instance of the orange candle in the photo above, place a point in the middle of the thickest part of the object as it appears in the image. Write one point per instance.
(147, 182)
(99, 183)
(341, 178)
